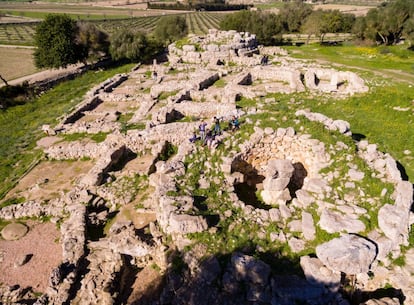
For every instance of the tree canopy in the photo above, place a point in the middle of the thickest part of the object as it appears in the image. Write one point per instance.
(171, 28)
(61, 41)
(387, 23)
(267, 26)
(293, 14)
(55, 41)
(133, 46)
(94, 42)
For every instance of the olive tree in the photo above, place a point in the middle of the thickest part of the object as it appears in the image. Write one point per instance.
(94, 43)
(133, 46)
(171, 28)
(55, 39)
(267, 26)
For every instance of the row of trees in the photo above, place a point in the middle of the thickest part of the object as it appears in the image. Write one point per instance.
(294, 17)
(384, 25)
(388, 23)
(61, 41)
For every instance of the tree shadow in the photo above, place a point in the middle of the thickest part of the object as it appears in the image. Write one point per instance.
(360, 297)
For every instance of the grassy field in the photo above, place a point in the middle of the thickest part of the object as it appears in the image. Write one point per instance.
(16, 62)
(395, 62)
(385, 116)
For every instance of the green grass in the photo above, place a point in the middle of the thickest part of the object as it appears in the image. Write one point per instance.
(372, 115)
(220, 83)
(385, 59)
(96, 137)
(164, 95)
(21, 125)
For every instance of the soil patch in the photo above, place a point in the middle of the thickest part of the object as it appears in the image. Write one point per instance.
(357, 10)
(45, 252)
(147, 286)
(140, 165)
(16, 62)
(49, 178)
(140, 218)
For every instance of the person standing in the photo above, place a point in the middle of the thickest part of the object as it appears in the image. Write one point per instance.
(217, 128)
(202, 129)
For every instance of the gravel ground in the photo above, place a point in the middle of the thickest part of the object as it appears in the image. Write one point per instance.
(42, 242)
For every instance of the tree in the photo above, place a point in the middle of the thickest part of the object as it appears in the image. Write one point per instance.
(359, 28)
(387, 24)
(313, 24)
(171, 28)
(321, 22)
(94, 43)
(133, 46)
(236, 21)
(293, 14)
(409, 31)
(267, 27)
(55, 39)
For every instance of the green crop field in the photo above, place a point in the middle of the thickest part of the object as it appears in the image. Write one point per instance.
(198, 23)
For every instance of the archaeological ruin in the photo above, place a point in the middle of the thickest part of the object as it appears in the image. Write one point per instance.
(263, 214)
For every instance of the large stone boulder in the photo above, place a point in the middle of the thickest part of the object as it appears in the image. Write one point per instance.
(278, 174)
(393, 220)
(349, 253)
(333, 221)
(247, 268)
(14, 231)
(318, 274)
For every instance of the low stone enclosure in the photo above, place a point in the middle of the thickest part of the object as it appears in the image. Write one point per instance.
(266, 215)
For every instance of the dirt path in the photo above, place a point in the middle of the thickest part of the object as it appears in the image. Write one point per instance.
(43, 75)
(396, 75)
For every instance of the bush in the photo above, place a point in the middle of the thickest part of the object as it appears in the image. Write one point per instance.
(15, 95)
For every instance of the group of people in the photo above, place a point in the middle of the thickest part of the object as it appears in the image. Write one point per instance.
(209, 137)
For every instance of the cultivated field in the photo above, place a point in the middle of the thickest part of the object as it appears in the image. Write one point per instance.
(357, 10)
(16, 62)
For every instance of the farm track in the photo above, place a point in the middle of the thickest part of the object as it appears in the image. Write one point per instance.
(395, 75)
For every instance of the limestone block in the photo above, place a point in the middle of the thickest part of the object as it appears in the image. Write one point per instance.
(14, 231)
(394, 222)
(350, 254)
(308, 226)
(318, 274)
(247, 268)
(183, 224)
(332, 221)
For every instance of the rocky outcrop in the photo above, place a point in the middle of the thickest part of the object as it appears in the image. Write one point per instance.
(350, 254)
